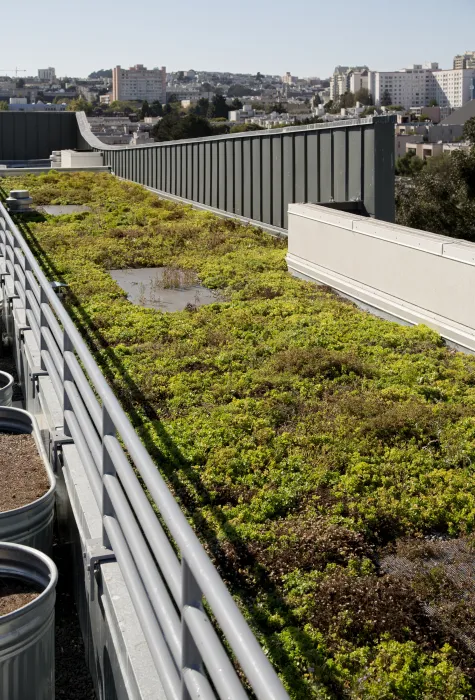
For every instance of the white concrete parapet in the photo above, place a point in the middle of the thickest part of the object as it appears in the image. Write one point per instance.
(405, 274)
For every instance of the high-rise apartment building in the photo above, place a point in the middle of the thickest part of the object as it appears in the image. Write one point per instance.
(419, 85)
(138, 83)
(47, 74)
(340, 82)
(465, 60)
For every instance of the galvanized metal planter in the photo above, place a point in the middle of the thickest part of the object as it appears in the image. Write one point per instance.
(30, 525)
(6, 389)
(27, 634)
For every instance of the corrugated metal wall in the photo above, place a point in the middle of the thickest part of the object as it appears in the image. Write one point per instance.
(258, 174)
(34, 135)
(255, 175)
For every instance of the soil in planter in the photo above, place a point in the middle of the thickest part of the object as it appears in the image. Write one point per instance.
(15, 594)
(22, 473)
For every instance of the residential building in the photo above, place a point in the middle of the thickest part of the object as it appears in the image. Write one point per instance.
(47, 74)
(138, 83)
(358, 80)
(465, 60)
(341, 79)
(105, 99)
(288, 79)
(419, 85)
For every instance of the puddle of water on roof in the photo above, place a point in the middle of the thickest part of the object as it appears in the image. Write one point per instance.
(61, 209)
(146, 287)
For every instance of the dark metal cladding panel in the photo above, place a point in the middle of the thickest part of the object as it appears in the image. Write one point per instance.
(238, 177)
(326, 166)
(168, 185)
(19, 136)
(256, 192)
(160, 166)
(177, 191)
(201, 173)
(300, 169)
(208, 169)
(289, 174)
(340, 153)
(230, 181)
(196, 173)
(368, 169)
(313, 169)
(384, 170)
(189, 171)
(142, 167)
(214, 174)
(277, 176)
(355, 165)
(248, 183)
(266, 176)
(222, 182)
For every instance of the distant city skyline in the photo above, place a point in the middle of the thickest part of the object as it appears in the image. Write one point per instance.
(305, 38)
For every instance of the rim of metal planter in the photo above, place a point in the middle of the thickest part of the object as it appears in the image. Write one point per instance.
(33, 531)
(20, 567)
(9, 379)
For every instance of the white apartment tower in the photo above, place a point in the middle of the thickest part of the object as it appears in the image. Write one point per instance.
(138, 83)
(419, 85)
(47, 74)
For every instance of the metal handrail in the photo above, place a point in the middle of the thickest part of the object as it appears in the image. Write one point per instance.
(167, 591)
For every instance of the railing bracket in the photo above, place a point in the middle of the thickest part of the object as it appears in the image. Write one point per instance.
(95, 554)
(58, 439)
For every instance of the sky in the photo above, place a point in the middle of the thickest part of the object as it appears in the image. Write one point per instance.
(305, 37)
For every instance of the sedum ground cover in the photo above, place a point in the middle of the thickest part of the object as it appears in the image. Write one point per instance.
(307, 441)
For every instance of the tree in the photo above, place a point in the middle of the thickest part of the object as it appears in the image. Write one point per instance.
(156, 109)
(468, 133)
(20, 83)
(238, 90)
(240, 128)
(409, 165)
(433, 103)
(80, 105)
(173, 127)
(441, 198)
(172, 98)
(180, 76)
(364, 97)
(386, 99)
(346, 100)
(3, 106)
(218, 107)
(145, 110)
(201, 108)
(236, 104)
(278, 107)
(101, 74)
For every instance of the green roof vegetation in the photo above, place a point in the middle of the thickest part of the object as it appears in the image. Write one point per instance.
(315, 448)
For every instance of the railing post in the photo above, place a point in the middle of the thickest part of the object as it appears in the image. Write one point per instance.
(108, 428)
(43, 324)
(190, 596)
(67, 377)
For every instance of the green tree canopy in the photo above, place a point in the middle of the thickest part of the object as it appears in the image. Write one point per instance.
(3, 106)
(240, 128)
(364, 97)
(218, 107)
(80, 105)
(441, 198)
(173, 127)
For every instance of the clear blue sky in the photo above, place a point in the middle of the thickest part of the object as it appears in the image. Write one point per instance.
(306, 37)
